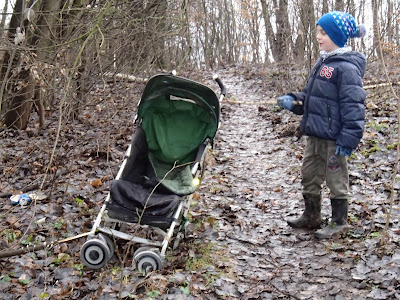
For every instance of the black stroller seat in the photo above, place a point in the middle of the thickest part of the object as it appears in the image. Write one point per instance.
(138, 196)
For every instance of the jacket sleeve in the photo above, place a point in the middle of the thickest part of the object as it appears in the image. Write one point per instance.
(352, 110)
(301, 96)
(298, 109)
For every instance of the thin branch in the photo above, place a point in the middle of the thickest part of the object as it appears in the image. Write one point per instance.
(64, 99)
(396, 165)
(158, 184)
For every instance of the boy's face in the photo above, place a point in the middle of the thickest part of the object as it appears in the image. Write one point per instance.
(324, 41)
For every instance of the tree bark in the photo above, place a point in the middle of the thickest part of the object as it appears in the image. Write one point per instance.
(339, 5)
(43, 41)
(375, 19)
(19, 90)
(3, 18)
(269, 33)
(325, 7)
(283, 39)
(155, 12)
(390, 18)
(306, 43)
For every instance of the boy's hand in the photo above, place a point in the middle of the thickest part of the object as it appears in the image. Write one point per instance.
(286, 102)
(343, 151)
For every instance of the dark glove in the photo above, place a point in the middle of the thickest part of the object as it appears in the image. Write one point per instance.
(343, 151)
(286, 102)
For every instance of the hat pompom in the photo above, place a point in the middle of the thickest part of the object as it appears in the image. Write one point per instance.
(361, 31)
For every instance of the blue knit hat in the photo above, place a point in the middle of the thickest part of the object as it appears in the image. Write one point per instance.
(341, 26)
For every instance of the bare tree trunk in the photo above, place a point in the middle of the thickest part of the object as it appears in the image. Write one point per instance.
(186, 24)
(351, 9)
(390, 21)
(71, 16)
(229, 32)
(312, 38)
(325, 7)
(339, 5)
(397, 32)
(155, 11)
(300, 43)
(269, 33)
(283, 39)
(361, 18)
(43, 41)
(213, 35)
(375, 19)
(19, 88)
(234, 35)
(2, 29)
(255, 35)
(306, 44)
(3, 18)
(206, 37)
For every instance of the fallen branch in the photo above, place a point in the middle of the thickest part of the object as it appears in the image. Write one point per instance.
(24, 190)
(128, 77)
(28, 249)
(378, 85)
(133, 78)
(268, 101)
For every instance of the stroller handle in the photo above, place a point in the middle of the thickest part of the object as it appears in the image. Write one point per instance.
(221, 85)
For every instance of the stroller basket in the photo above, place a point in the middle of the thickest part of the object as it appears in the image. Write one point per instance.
(176, 123)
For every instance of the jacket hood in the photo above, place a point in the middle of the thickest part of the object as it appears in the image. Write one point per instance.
(356, 58)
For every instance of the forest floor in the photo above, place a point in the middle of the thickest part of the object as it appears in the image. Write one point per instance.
(238, 244)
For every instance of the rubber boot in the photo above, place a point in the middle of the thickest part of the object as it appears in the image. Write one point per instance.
(338, 224)
(311, 217)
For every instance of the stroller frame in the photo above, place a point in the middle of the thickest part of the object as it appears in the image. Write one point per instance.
(150, 256)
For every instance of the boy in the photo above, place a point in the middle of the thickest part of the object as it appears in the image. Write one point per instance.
(332, 105)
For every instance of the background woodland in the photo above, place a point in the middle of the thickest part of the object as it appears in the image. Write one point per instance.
(53, 52)
(71, 75)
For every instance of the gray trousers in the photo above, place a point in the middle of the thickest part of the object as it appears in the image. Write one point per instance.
(321, 164)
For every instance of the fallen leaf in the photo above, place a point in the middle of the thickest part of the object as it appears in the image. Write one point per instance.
(96, 183)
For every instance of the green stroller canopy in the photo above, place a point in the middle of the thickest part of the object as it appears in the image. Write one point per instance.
(177, 116)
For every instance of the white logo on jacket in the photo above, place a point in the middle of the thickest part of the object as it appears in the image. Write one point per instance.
(326, 72)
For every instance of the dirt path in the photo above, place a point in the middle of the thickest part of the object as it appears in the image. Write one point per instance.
(252, 188)
(238, 244)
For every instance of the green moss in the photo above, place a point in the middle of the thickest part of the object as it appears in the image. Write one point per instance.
(371, 151)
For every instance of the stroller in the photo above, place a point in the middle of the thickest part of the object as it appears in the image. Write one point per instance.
(176, 122)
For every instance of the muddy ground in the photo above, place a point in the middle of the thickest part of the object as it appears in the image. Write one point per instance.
(237, 244)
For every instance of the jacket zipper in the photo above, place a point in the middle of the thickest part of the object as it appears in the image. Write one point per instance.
(330, 118)
(309, 91)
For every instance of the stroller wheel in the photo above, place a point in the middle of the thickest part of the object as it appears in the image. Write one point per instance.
(109, 241)
(95, 254)
(144, 248)
(147, 260)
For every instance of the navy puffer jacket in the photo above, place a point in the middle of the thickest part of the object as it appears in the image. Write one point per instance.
(333, 100)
